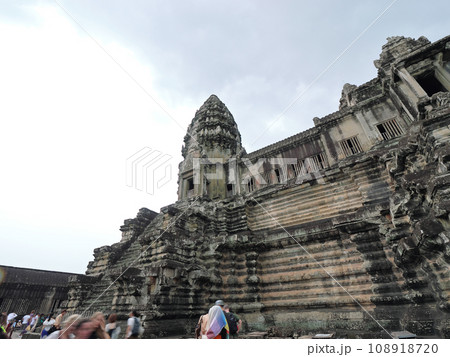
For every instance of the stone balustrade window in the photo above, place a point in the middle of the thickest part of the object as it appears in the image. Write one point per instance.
(190, 187)
(278, 175)
(350, 146)
(317, 162)
(390, 129)
(251, 185)
(309, 164)
(229, 190)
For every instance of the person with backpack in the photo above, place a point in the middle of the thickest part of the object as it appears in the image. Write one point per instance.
(134, 328)
(111, 328)
(234, 322)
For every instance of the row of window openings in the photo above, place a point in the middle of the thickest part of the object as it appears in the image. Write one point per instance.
(350, 146)
(302, 167)
(388, 130)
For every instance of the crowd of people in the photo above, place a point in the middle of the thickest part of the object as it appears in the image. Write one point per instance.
(218, 323)
(72, 327)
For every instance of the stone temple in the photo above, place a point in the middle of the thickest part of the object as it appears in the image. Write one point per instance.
(328, 230)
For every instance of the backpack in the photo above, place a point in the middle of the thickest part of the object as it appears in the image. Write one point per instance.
(110, 332)
(232, 322)
(136, 327)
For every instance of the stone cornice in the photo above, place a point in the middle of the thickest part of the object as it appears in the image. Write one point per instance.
(284, 144)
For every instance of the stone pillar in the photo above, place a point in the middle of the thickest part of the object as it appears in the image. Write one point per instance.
(252, 308)
(411, 82)
(442, 73)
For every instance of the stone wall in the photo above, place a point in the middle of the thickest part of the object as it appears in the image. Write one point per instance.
(352, 236)
(23, 290)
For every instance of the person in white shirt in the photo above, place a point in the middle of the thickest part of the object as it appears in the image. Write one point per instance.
(11, 322)
(34, 322)
(26, 320)
(47, 325)
(11, 317)
(134, 318)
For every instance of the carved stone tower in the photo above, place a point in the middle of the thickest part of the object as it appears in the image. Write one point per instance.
(210, 149)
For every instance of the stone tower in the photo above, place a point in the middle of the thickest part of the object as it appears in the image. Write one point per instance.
(210, 148)
(362, 197)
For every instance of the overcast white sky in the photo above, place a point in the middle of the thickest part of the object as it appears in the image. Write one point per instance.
(70, 116)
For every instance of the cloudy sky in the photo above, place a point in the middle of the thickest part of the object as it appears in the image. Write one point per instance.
(84, 85)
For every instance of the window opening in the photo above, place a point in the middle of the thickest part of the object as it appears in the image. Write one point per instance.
(251, 184)
(278, 175)
(350, 146)
(389, 129)
(430, 84)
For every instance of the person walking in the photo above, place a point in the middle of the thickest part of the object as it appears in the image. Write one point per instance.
(217, 326)
(134, 328)
(84, 329)
(34, 322)
(67, 329)
(59, 320)
(26, 321)
(234, 322)
(3, 325)
(47, 325)
(220, 303)
(98, 323)
(200, 330)
(111, 328)
(11, 320)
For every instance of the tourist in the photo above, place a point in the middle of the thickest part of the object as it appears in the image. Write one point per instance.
(3, 325)
(111, 328)
(47, 325)
(217, 327)
(200, 330)
(41, 320)
(233, 320)
(134, 328)
(98, 322)
(67, 329)
(34, 322)
(84, 329)
(26, 320)
(11, 320)
(59, 320)
(220, 303)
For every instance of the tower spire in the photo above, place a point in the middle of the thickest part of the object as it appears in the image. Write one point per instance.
(212, 135)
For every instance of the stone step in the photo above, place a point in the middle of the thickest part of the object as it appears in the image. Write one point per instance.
(283, 218)
(254, 335)
(304, 209)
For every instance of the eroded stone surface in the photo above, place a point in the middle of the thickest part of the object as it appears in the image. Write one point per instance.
(357, 224)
